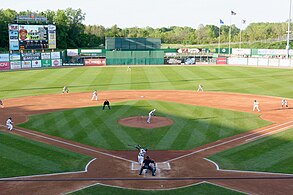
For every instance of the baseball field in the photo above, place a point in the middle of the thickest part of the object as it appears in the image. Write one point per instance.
(216, 144)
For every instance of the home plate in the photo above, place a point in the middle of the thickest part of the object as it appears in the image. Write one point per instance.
(160, 166)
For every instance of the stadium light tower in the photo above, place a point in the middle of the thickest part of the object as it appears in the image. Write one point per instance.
(288, 33)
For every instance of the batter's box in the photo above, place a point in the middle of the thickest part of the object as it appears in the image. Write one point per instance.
(160, 166)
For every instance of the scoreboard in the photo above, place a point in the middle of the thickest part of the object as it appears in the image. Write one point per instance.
(28, 37)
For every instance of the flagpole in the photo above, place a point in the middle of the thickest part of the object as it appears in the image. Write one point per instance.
(219, 45)
(288, 33)
(230, 33)
(240, 35)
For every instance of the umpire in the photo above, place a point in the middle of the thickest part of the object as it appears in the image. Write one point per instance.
(106, 103)
(146, 165)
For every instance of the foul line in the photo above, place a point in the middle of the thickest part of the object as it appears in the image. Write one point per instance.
(70, 144)
(229, 141)
(238, 171)
(268, 133)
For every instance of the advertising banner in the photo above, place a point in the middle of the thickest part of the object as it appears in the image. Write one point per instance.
(46, 63)
(4, 66)
(237, 61)
(4, 57)
(26, 64)
(13, 37)
(15, 57)
(30, 56)
(222, 60)
(72, 52)
(46, 56)
(55, 55)
(52, 36)
(95, 62)
(15, 65)
(241, 51)
(36, 64)
(57, 62)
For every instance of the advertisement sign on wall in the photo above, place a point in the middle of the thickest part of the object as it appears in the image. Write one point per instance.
(15, 65)
(13, 37)
(15, 57)
(57, 62)
(30, 56)
(72, 52)
(95, 62)
(36, 63)
(4, 57)
(222, 60)
(55, 55)
(26, 64)
(52, 36)
(4, 66)
(45, 56)
(46, 63)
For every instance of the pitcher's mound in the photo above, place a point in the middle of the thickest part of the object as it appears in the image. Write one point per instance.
(141, 122)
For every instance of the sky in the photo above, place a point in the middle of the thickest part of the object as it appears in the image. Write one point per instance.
(164, 13)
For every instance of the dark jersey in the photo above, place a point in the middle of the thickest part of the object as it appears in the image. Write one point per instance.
(106, 102)
(147, 162)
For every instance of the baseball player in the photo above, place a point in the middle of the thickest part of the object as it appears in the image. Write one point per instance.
(65, 89)
(9, 124)
(141, 154)
(200, 88)
(146, 165)
(255, 106)
(1, 103)
(128, 68)
(106, 103)
(95, 95)
(284, 103)
(151, 113)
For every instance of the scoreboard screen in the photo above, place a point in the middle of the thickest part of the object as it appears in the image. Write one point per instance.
(28, 37)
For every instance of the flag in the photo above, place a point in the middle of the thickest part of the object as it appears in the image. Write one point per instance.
(221, 21)
(243, 21)
(233, 13)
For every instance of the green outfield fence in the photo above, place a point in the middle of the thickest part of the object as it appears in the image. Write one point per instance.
(134, 57)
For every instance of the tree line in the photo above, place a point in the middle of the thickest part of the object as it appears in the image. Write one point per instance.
(73, 33)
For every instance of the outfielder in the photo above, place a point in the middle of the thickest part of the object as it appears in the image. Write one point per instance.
(284, 103)
(200, 88)
(95, 95)
(9, 124)
(151, 113)
(141, 154)
(255, 106)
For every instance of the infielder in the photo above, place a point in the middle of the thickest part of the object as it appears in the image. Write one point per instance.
(141, 154)
(255, 106)
(95, 95)
(65, 89)
(284, 103)
(9, 124)
(151, 113)
(200, 88)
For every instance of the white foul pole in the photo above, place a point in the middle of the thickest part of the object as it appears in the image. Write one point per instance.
(219, 44)
(288, 33)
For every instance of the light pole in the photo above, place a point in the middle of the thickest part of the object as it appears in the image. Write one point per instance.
(288, 33)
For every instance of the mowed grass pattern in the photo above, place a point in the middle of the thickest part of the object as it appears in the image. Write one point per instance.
(269, 154)
(204, 188)
(262, 81)
(23, 157)
(193, 126)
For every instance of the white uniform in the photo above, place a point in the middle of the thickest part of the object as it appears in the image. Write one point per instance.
(151, 113)
(95, 95)
(9, 124)
(284, 103)
(141, 155)
(128, 68)
(200, 87)
(65, 89)
(255, 106)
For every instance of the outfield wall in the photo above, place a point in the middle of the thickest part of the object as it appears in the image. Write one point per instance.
(265, 62)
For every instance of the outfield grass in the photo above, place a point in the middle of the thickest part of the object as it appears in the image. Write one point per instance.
(23, 157)
(262, 81)
(204, 188)
(193, 126)
(269, 154)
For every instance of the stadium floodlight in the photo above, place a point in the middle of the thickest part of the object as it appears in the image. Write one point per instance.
(288, 32)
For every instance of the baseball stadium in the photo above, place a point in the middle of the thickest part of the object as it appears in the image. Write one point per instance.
(193, 114)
